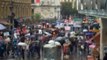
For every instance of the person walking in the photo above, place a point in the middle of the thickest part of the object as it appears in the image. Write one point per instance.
(37, 48)
(105, 57)
(22, 47)
(2, 49)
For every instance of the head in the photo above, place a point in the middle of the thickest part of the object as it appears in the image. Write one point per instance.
(105, 54)
(23, 39)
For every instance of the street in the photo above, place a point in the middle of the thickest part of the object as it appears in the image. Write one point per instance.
(74, 56)
(53, 29)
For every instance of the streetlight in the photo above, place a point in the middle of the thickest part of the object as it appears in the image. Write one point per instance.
(12, 15)
(3, 4)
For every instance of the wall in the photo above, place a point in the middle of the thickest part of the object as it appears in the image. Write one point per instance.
(47, 8)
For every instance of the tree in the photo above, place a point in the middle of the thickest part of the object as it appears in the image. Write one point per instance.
(36, 17)
(67, 10)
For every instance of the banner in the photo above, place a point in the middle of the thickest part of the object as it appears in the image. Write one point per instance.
(37, 1)
(67, 28)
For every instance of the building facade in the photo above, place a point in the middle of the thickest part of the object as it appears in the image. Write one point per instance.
(47, 8)
(92, 4)
(21, 8)
(66, 0)
(50, 8)
(74, 2)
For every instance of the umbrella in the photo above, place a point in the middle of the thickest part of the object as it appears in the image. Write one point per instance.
(92, 46)
(22, 44)
(2, 27)
(51, 42)
(59, 38)
(85, 30)
(57, 43)
(47, 33)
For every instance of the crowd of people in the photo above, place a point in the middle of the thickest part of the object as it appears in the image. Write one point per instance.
(28, 41)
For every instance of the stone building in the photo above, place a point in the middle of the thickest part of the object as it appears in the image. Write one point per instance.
(21, 8)
(50, 8)
(47, 8)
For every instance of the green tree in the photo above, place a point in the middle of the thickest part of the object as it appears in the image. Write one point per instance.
(36, 17)
(67, 10)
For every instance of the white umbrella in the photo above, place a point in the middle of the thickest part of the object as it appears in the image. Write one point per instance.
(22, 44)
(57, 43)
(47, 33)
(85, 30)
(2, 27)
(51, 42)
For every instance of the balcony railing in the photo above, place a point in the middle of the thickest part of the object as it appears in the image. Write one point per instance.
(99, 13)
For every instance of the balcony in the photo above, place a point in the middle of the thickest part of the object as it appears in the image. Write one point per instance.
(98, 13)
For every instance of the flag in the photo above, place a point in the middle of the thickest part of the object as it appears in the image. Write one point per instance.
(37, 1)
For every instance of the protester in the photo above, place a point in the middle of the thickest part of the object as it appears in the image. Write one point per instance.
(2, 47)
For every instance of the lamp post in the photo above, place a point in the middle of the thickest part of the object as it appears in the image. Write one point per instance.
(12, 15)
(3, 4)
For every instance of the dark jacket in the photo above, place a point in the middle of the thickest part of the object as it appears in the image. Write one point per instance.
(105, 57)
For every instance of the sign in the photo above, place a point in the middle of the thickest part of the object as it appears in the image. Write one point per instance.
(67, 28)
(77, 24)
(37, 1)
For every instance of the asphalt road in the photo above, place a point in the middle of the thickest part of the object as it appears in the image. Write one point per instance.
(73, 56)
